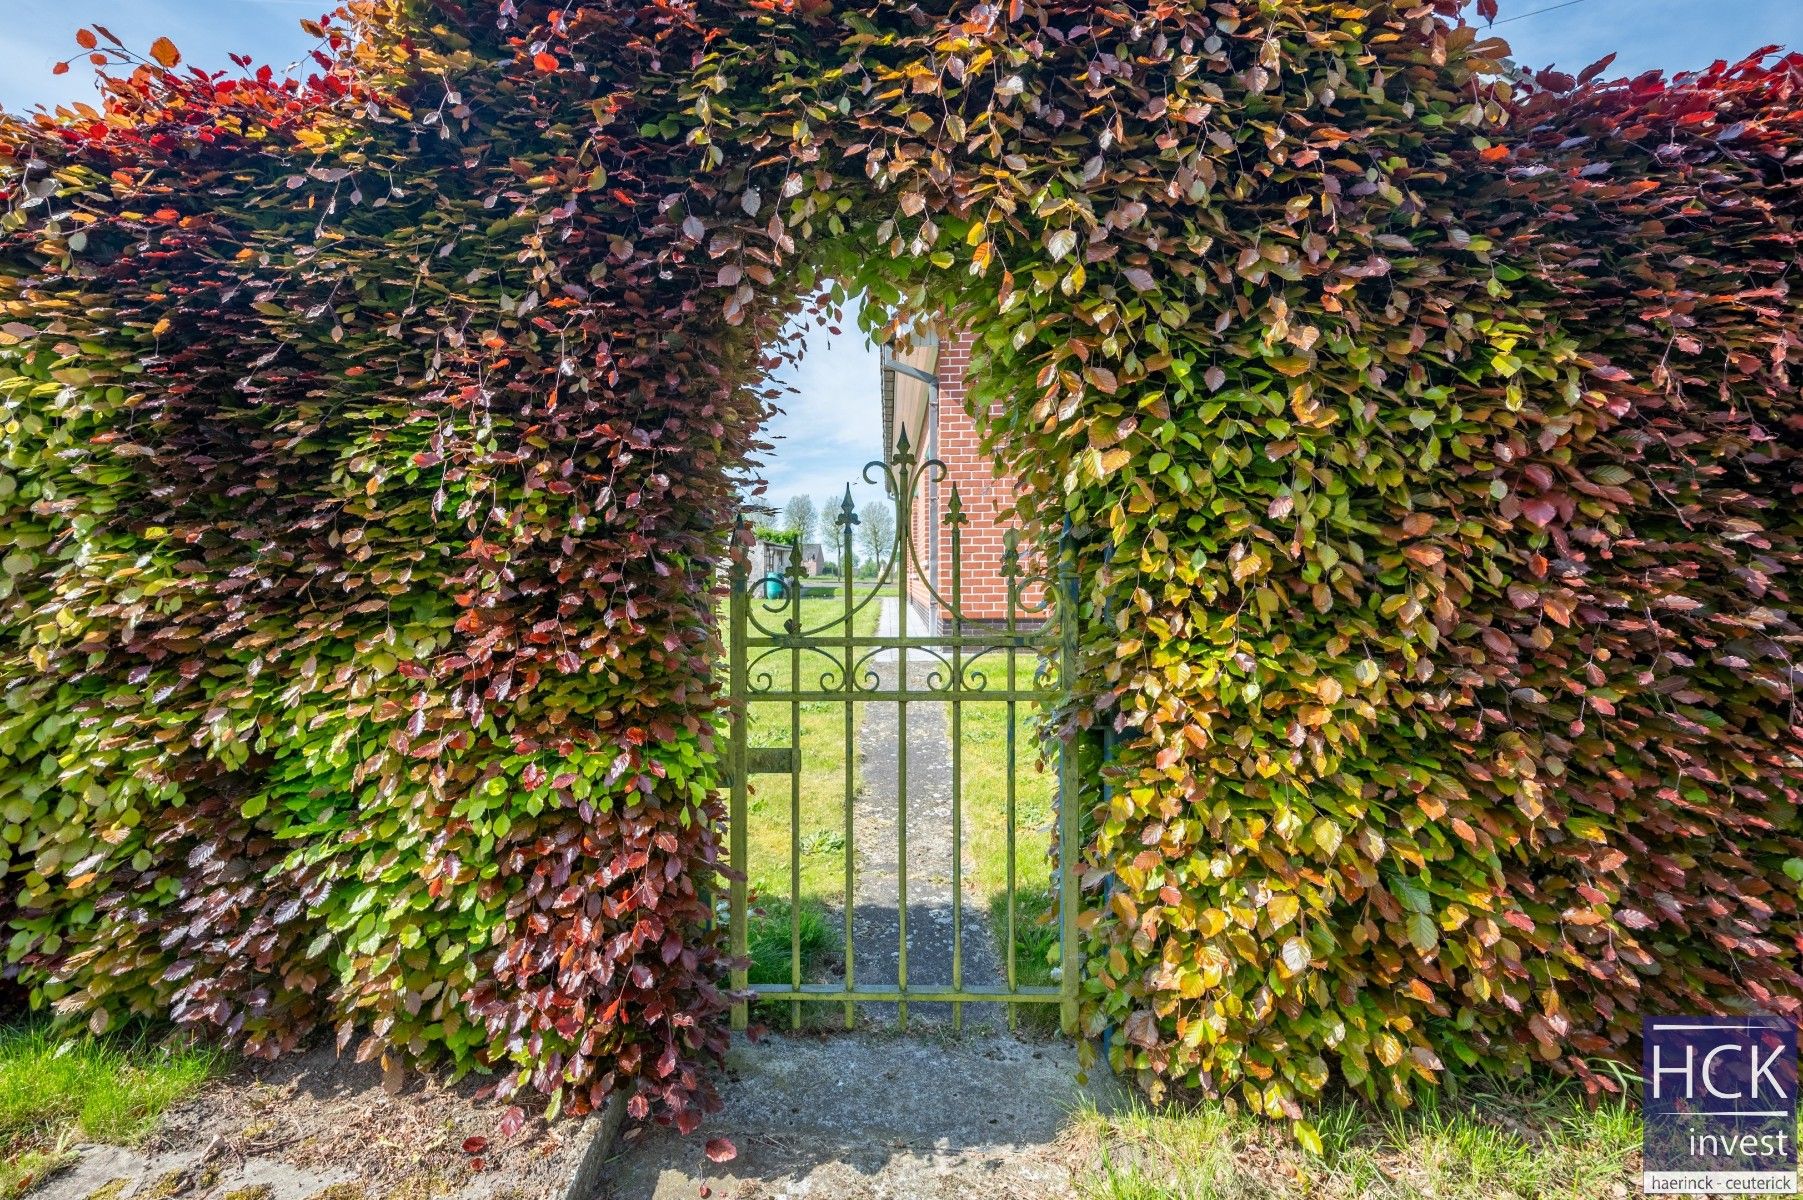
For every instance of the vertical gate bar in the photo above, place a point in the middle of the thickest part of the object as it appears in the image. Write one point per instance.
(904, 518)
(795, 628)
(1069, 793)
(954, 517)
(1011, 579)
(847, 518)
(738, 611)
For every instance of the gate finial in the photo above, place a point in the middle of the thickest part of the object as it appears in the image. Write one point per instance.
(954, 509)
(1011, 553)
(904, 453)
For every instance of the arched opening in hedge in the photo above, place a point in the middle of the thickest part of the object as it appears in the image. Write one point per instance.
(1432, 437)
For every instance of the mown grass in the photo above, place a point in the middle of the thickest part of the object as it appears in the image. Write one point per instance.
(60, 1088)
(820, 727)
(986, 767)
(1486, 1143)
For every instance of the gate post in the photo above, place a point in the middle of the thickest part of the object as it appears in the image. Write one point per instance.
(738, 611)
(1070, 791)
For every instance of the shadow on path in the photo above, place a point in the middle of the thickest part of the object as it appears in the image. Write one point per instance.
(869, 1116)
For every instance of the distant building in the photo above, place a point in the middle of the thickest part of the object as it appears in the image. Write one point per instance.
(766, 563)
(813, 558)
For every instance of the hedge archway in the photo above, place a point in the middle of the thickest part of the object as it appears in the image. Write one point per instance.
(1430, 435)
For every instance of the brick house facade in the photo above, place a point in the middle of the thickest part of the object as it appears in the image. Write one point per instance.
(925, 390)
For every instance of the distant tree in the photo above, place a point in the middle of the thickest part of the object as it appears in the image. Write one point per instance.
(800, 518)
(876, 529)
(829, 525)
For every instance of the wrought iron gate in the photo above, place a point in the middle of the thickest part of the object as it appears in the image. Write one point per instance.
(787, 650)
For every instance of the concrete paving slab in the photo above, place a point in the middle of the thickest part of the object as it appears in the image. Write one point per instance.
(868, 1116)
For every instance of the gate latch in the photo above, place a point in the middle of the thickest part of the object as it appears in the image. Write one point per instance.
(765, 760)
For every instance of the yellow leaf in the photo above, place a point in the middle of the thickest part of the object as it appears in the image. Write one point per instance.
(164, 51)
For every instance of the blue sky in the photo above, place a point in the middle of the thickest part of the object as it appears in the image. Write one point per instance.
(830, 428)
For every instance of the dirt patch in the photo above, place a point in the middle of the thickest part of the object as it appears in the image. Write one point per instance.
(314, 1126)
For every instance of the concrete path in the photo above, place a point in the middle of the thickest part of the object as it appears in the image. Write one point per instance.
(888, 624)
(876, 921)
(875, 1117)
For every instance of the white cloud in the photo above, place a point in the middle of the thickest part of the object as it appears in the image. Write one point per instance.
(831, 425)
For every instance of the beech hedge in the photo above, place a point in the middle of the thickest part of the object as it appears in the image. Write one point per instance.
(1426, 433)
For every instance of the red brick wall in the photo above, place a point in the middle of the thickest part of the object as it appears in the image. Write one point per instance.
(985, 495)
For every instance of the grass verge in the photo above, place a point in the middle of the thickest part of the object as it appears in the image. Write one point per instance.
(61, 1088)
(1487, 1143)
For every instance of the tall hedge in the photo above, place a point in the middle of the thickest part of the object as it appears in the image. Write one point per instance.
(1427, 437)
(362, 506)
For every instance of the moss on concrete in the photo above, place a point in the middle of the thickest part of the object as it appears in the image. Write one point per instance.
(340, 1191)
(169, 1183)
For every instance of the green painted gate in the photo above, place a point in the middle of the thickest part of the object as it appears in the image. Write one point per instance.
(787, 650)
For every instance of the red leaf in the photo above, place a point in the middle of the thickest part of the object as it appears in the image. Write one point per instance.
(721, 1150)
(544, 62)
(61, 68)
(1596, 68)
(85, 39)
(512, 1120)
(474, 1145)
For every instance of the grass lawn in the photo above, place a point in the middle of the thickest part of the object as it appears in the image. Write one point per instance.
(1489, 1143)
(818, 729)
(985, 769)
(57, 1089)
